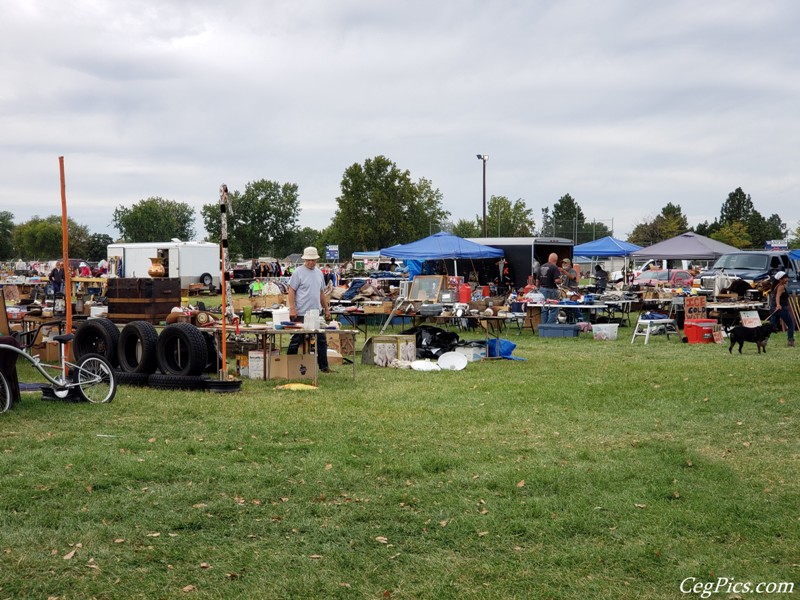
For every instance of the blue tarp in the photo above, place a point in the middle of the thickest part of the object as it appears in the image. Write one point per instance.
(440, 246)
(794, 254)
(607, 246)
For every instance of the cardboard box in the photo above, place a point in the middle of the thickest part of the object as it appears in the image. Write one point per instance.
(98, 311)
(255, 364)
(473, 353)
(334, 358)
(49, 352)
(343, 343)
(295, 366)
(384, 308)
(381, 350)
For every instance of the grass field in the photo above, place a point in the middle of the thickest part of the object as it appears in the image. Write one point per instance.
(590, 470)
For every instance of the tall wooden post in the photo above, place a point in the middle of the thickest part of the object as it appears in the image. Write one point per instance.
(227, 299)
(65, 254)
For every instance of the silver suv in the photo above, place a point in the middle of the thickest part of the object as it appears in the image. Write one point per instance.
(753, 266)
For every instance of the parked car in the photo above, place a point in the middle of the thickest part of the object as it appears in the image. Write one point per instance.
(665, 278)
(753, 266)
(651, 264)
(241, 280)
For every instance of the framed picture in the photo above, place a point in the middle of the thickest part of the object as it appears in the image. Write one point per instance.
(426, 287)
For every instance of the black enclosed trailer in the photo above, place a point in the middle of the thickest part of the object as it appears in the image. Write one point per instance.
(521, 254)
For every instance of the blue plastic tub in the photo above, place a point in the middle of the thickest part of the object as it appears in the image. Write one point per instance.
(557, 330)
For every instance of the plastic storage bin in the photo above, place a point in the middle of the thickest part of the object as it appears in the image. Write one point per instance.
(605, 331)
(559, 330)
(699, 331)
(280, 315)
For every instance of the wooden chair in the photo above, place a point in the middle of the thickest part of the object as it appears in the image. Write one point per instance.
(4, 327)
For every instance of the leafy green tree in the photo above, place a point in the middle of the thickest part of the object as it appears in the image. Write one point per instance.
(41, 238)
(707, 229)
(6, 231)
(568, 218)
(760, 229)
(262, 221)
(738, 207)
(504, 219)
(98, 246)
(794, 237)
(155, 220)
(428, 209)
(734, 234)
(380, 206)
(776, 228)
(548, 226)
(669, 223)
(466, 229)
(307, 236)
(568, 221)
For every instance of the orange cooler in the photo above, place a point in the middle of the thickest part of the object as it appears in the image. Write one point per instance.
(699, 331)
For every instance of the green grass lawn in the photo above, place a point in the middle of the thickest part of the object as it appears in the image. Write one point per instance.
(590, 470)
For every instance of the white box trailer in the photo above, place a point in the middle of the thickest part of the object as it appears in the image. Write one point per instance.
(192, 262)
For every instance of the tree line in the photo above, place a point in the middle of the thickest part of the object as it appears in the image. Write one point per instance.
(379, 205)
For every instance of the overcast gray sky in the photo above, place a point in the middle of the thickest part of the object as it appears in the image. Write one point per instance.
(624, 104)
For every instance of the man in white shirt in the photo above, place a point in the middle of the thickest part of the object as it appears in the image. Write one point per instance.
(307, 292)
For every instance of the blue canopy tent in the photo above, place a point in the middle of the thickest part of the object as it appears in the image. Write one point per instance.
(440, 246)
(607, 246)
(794, 254)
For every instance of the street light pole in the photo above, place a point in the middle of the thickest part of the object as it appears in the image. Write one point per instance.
(484, 158)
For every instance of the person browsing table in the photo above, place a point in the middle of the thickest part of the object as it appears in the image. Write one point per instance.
(549, 280)
(569, 275)
(307, 292)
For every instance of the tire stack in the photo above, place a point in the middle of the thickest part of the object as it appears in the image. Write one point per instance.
(180, 352)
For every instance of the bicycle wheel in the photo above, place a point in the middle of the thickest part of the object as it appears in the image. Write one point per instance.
(95, 379)
(5, 394)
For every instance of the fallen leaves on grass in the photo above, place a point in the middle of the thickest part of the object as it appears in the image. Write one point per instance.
(71, 553)
(521, 483)
(381, 539)
(640, 505)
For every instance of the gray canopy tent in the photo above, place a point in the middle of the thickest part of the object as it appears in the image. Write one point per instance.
(686, 246)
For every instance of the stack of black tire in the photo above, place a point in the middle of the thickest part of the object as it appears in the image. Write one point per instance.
(174, 359)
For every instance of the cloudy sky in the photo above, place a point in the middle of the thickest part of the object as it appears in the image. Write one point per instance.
(624, 104)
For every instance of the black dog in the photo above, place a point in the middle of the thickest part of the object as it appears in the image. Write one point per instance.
(760, 335)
